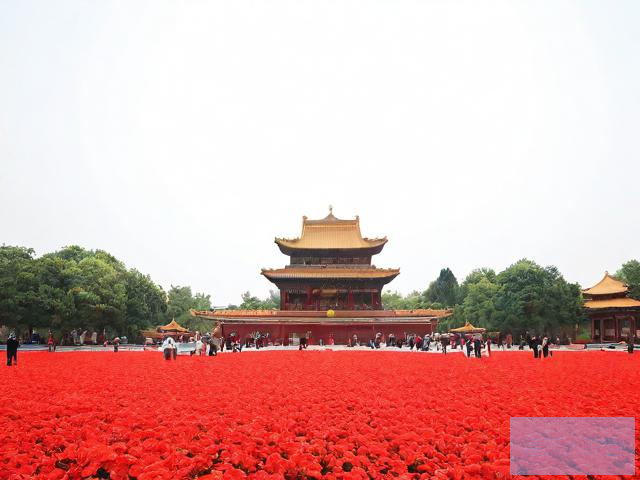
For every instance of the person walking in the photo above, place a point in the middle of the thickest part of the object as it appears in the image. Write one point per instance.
(469, 345)
(630, 344)
(533, 345)
(391, 340)
(12, 350)
(488, 347)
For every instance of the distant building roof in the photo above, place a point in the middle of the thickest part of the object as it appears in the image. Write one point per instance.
(607, 286)
(330, 233)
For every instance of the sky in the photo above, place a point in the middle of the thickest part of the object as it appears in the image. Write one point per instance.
(182, 137)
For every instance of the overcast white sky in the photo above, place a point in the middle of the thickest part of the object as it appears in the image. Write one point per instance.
(184, 136)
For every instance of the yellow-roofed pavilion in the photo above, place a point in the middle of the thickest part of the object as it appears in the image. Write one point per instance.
(614, 315)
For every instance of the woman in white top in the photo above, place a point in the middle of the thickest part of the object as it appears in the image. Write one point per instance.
(169, 348)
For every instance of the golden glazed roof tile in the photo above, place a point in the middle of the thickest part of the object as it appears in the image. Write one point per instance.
(308, 273)
(607, 286)
(330, 233)
(612, 303)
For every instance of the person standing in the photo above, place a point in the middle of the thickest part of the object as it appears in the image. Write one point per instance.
(477, 347)
(630, 344)
(391, 340)
(545, 347)
(12, 349)
(444, 342)
(51, 342)
(169, 348)
(469, 345)
(533, 345)
(488, 347)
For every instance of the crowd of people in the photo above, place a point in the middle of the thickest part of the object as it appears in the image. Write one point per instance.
(209, 344)
(474, 344)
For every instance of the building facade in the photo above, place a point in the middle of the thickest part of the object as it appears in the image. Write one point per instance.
(614, 315)
(330, 268)
(329, 291)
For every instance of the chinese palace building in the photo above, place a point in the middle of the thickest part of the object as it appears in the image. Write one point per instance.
(614, 316)
(330, 290)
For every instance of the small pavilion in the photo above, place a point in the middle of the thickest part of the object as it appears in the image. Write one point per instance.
(468, 328)
(171, 329)
(614, 315)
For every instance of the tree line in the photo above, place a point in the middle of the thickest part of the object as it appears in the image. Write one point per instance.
(524, 296)
(76, 288)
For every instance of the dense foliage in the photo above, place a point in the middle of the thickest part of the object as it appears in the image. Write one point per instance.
(523, 297)
(630, 274)
(75, 288)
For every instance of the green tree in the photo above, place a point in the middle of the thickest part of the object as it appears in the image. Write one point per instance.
(19, 301)
(146, 301)
(444, 290)
(180, 301)
(474, 277)
(536, 299)
(251, 302)
(478, 307)
(393, 300)
(630, 274)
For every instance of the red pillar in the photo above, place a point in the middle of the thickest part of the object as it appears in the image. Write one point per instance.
(616, 325)
(350, 299)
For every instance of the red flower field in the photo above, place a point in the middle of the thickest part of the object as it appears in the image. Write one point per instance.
(292, 414)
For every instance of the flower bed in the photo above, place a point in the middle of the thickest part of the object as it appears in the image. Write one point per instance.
(291, 414)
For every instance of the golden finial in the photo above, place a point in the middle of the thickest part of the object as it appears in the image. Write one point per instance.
(330, 209)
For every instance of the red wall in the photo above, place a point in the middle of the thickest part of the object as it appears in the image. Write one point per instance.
(341, 333)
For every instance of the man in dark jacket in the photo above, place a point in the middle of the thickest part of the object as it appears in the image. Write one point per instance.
(12, 350)
(477, 347)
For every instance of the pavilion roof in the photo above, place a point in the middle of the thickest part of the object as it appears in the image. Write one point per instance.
(315, 272)
(330, 233)
(173, 326)
(607, 286)
(468, 328)
(624, 302)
